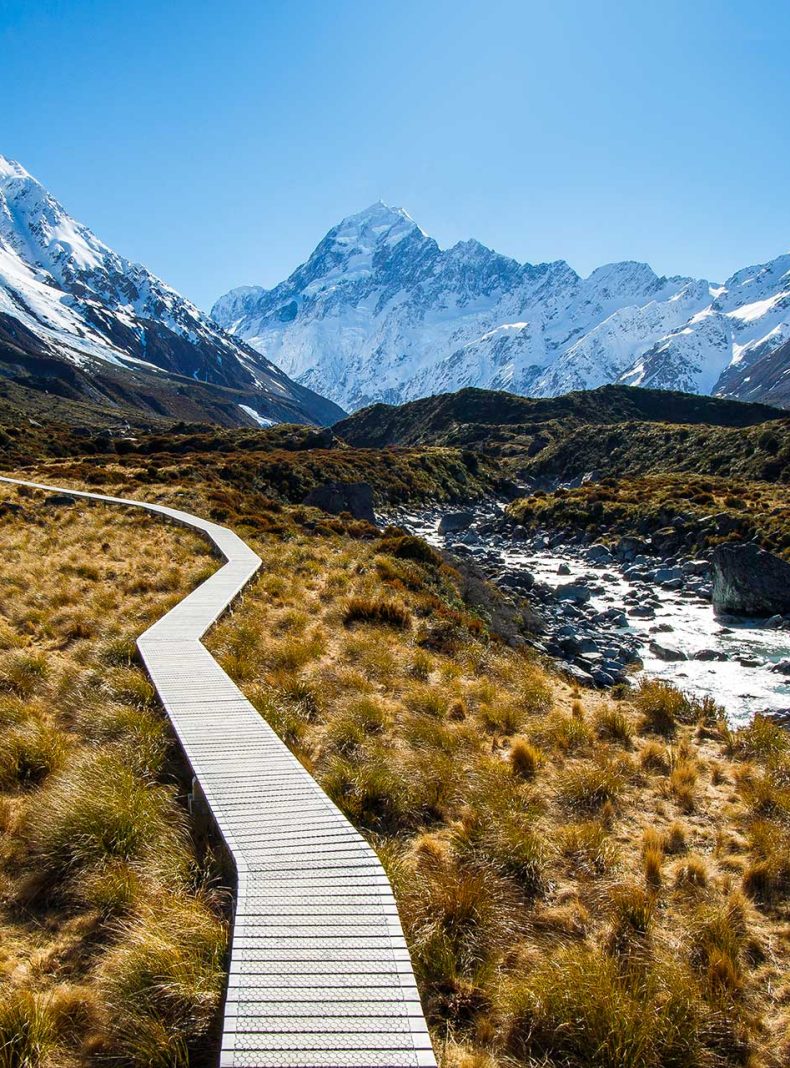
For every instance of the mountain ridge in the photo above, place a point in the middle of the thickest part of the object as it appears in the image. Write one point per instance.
(92, 309)
(379, 312)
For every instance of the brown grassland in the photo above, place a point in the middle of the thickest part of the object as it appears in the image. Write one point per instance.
(583, 880)
(112, 925)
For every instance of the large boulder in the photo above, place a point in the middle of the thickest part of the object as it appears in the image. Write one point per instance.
(336, 497)
(452, 522)
(572, 591)
(749, 581)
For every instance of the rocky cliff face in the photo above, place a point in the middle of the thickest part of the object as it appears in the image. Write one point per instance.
(380, 313)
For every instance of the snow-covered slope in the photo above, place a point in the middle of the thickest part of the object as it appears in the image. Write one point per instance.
(380, 313)
(91, 307)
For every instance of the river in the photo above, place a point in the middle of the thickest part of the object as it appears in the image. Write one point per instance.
(742, 680)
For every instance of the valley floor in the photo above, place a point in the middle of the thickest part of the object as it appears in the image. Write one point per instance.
(583, 881)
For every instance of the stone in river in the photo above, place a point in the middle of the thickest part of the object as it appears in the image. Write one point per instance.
(749, 581)
(455, 521)
(642, 611)
(602, 678)
(783, 667)
(709, 654)
(665, 653)
(667, 574)
(576, 674)
(572, 591)
(563, 569)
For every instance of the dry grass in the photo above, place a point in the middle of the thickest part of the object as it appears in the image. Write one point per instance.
(546, 926)
(107, 950)
(545, 922)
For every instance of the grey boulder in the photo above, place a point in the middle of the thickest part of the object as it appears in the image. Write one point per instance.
(749, 581)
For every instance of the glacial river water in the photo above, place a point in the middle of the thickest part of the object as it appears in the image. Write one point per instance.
(743, 683)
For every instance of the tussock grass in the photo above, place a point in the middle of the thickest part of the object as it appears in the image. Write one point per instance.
(29, 753)
(592, 785)
(662, 706)
(589, 846)
(580, 1008)
(614, 725)
(100, 809)
(500, 881)
(96, 860)
(28, 1028)
(385, 611)
(525, 758)
(162, 982)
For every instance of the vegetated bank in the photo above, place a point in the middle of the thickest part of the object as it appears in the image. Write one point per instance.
(685, 512)
(113, 920)
(583, 880)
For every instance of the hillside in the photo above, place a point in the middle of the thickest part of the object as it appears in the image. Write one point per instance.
(452, 417)
(573, 870)
(614, 430)
(80, 320)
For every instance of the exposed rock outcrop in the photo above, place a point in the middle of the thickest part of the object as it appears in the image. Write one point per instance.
(749, 581)
(336, 497)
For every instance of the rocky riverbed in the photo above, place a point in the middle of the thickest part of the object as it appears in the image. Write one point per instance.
(611, 613)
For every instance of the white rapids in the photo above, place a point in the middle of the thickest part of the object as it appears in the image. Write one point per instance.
(743, 684)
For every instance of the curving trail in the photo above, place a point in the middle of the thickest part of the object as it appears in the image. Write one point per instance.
(319, 970)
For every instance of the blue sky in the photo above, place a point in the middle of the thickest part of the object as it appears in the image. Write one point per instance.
(217, 143)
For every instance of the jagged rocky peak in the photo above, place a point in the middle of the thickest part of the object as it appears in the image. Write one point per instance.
(376, 224)
(380, 312)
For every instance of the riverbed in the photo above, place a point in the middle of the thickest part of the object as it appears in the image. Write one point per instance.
(741, 680)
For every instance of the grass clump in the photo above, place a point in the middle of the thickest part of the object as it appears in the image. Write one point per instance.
(591, 785)
(28, 1028)
(162, 982)
(97, 810)
(662, 706)
(380, 610)
(579, 1008)
(22, 672)
(29, 753)
(589, 846)
(613, 725)
(525, 759)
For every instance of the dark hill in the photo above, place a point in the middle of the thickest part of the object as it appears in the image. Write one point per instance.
(470, 415)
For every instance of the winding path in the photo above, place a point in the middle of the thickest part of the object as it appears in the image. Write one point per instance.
(319, 970)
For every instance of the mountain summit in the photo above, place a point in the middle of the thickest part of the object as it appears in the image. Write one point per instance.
(380, 313)
(71, 309)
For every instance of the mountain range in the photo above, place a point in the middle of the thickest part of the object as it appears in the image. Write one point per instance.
(79, 320)
(380, 313)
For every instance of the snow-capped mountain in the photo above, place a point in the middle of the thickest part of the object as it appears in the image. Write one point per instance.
(89, 307)
(380, 313)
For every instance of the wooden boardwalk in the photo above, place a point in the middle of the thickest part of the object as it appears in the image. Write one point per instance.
(319, 970)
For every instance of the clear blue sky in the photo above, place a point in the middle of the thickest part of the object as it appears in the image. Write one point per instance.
(218, 142)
